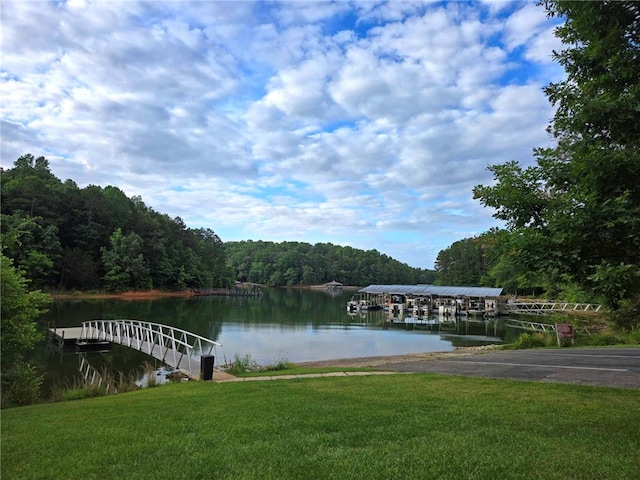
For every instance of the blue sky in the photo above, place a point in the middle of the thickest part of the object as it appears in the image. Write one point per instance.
(356, 123)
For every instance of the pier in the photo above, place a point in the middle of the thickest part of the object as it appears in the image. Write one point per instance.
(486, 302)
(546, 307)
(182, 350)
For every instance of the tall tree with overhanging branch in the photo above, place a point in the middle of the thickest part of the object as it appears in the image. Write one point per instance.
(577, 210)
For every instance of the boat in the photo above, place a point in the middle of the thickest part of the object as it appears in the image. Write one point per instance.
(359, 304)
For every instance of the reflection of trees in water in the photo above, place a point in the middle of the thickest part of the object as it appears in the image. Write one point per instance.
(203, 316)
(294, 309)
(461, 331)
(71, 313)
(58, 369)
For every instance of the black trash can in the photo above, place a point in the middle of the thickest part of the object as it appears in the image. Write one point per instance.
(206, 367)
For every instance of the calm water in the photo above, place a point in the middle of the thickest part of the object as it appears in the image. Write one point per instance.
(291, 324)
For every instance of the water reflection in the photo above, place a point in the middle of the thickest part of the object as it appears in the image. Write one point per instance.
(297, 325)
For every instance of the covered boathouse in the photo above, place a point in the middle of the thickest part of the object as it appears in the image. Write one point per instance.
(431, 299)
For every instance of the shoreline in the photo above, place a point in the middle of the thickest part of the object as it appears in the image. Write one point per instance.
(378, 361)
(130, 295)
(155, 294)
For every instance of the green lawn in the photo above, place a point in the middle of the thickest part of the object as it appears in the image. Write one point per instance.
(376, 427)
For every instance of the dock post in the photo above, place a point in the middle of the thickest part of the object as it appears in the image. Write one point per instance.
(206, 367)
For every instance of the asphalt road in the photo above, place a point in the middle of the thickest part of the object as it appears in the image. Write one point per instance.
(609, 367)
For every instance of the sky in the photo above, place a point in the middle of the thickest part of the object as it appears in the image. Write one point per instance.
(356, 123)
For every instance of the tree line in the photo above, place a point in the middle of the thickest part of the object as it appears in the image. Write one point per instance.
(300, 263)
(491, 260)
(71, 238)
(68, 238)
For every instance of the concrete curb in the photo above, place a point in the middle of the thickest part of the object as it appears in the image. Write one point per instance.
(223, 377)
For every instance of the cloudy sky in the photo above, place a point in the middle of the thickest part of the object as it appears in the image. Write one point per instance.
(357, 123)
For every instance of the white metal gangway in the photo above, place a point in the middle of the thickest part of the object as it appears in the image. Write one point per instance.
(545, 307)
(177, 348)
(550, 327)
(533, 326)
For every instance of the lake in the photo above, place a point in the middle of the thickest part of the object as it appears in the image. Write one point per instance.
(291, 324)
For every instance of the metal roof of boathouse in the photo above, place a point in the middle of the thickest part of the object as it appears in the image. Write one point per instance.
(446, 291)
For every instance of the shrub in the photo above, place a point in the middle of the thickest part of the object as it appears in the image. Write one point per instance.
(150, 374)
(105, 383)
(278, 364)
(243, 364)
(80, 393)
(532, 340)
(20, 385)
(600, 340)
(126, 383)
(619, 337)
(634, 336)
(627, 316)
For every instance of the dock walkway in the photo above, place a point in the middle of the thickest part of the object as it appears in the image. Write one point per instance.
(178, 348)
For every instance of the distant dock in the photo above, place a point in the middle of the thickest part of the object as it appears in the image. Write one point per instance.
(240, 290)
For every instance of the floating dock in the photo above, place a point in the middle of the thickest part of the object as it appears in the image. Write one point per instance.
(66, 338)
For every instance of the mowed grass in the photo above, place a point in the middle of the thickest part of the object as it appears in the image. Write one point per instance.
(375, 427)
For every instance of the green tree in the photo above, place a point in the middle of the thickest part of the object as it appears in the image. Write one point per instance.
(61, 236)
(308, 275)
(212, 270)
(578, 208)
(290, 263)
(79, 270)
(124, 262)
(33, 245)
(31, 189)
(19, 310)
(462, 263)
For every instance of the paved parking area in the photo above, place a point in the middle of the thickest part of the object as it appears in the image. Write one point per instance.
(610, 367)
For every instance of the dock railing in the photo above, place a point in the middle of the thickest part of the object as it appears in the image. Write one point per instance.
(549, 327)
(542, 307)
(176, 347)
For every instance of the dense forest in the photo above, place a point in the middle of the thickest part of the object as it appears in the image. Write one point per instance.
(491, 260)
(292, 263)
(65, 237)
(69, 238)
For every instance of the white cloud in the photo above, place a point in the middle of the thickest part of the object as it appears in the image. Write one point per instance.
(362, 123)
(523, 25)
(530, 29)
